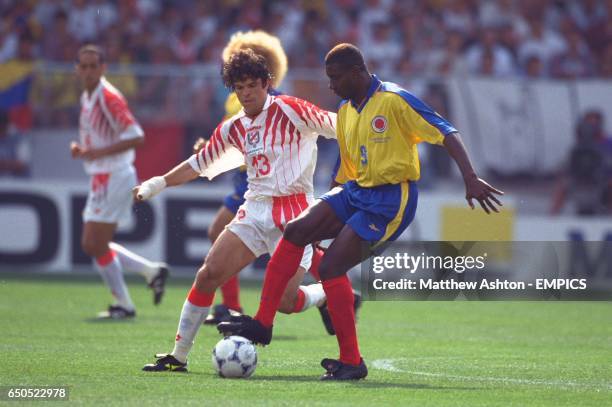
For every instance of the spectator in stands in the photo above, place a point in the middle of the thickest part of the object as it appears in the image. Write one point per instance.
(489, 57)
(449, 59)
(576, 61)
(54, 46)
(533, 67)
(14, 149)
(185, 45)
(82, 21)
(586, 178)
(541, 41)
(605, 65)
(458, 15)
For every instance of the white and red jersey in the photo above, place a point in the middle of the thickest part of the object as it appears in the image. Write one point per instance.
(105, 119)
(279, 146)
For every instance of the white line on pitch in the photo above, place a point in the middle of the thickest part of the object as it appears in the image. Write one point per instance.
(388, 365)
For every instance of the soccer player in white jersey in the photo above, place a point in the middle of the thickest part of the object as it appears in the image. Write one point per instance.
(276, 137)
(108, 136)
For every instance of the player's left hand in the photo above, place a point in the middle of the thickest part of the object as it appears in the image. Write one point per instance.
(90, 154)
(479, 189)
(198, 145)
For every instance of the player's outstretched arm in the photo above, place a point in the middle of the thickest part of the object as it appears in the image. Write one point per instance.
(78, 151)
(475, 188)
(179, 175)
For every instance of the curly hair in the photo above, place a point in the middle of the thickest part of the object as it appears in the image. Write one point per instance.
(262, 44)
(245, 64)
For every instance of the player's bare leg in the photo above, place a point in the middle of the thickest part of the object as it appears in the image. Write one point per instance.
(155, 273)
(226, 258)
(95, 243)
(230, 289)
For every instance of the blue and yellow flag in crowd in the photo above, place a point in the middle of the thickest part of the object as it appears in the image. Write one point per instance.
(16, 78)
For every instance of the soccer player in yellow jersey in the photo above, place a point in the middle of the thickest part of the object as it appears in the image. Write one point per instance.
(379, 126)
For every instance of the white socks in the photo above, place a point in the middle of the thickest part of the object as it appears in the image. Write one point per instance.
(191, 320)
(313, 295)
(133, 262)
(113, 277)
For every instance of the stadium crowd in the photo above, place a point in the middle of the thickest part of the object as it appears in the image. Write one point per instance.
(556, 38)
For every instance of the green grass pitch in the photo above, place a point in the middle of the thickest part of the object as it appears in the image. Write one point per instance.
(419, 353)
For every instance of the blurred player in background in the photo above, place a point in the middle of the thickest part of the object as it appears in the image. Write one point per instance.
(276, 136)
(269, 47)
(109, 133)
(379, 126)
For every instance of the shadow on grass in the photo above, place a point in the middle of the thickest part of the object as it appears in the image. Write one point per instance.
(387, 385)
(96, 320)
(285, 337)
(361, 383)
(366, 384)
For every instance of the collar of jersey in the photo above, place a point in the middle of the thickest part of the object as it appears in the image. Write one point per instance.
(374, 85)
(89, 100)
(266, 105)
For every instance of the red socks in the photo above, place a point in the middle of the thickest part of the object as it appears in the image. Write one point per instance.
(282, 266)
(299, 302)
(317, 256)
(200, 298)
(106, 258)
(231, 291)
(340, 300)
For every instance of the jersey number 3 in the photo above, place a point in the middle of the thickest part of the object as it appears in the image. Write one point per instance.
(261, 164)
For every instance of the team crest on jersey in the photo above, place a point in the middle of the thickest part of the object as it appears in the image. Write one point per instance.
(379, 124)
(253, 138)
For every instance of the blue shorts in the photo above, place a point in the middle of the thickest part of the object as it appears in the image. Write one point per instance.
(236, 198)
(378, 214)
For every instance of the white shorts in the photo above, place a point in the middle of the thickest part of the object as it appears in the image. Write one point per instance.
(260, 223)
(110, 196)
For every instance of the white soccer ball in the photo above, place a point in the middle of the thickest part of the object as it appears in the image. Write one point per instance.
(234, 356)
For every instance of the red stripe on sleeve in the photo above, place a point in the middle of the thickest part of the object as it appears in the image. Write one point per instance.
(292, 103)
(203, 155)
(240, 128)
(233, 135)
(220, 137)
(118, 108)
(215, 144)
(291, 131)
(315, 114)
(209, 150)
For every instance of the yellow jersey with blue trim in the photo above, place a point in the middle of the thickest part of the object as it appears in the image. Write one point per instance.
(378, 138)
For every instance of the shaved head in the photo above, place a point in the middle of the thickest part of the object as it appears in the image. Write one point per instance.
(346, 55)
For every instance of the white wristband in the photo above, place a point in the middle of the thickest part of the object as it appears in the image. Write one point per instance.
(151, 187)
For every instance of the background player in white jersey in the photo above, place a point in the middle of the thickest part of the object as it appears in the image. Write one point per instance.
(108, 135)
(276, 136)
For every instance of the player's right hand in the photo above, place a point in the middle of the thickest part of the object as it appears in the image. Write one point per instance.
(149, 188)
